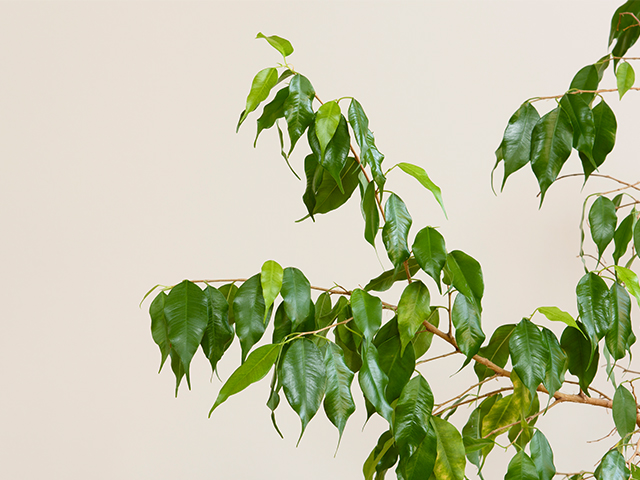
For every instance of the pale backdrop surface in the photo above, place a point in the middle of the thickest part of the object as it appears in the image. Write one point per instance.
(120, 169)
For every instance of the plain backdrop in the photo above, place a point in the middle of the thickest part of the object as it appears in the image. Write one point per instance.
(120, 169)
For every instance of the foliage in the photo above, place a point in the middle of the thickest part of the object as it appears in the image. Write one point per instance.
(321, 343)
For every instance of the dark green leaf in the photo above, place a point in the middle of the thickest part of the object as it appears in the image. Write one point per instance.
(521, 467)
(229, 291)
(323, 312)
(622, 237)
(413, 309)
(606, 125)
(422, 340)
(636, 237)
(466, 319)
(551, 143)
(177, 368)
(373, 381)
(419, 174)
(249, 312)
(396, 230)
(159, 327)
(623, 28)
(398, 366)
(254, 369)
(412, 413)
(584, 128)
(624, 411)
(338, 402)
(369, 208)
(602, 222)
(497, 351)
(384, 445)
(261, 86)
(281, 325)
(297, 107)
(367, 312)
(303, 377)
(185, 309)
(360, 124)
(374, 158)
(465, 274)
(472, 432)
(542, 456)
(296, 294)
(529, 354)
(420, 464)
(556, 364)
(385, 281)
(281, 44)
(450, 461)
(587, 78)
(327, 120)
(218, 335)
(625, 78)
(612, 467)
(582, 363)
(309, 197)
(619, 337)
(271, 281)
(272, 111)
(431, 252)
(328, 195)
(348, 340)
(334, 157)
(592, 293)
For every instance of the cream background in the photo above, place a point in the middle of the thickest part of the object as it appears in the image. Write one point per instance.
(120, 169)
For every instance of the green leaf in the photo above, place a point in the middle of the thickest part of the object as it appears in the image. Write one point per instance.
(297, 108)
(281, 325)
(412, 413)
(249, 312)
(623, 28)
(587, 78)
(303, 377)
(279, 43)
(419, 174)
(261, 86)
(374, 158)
(497, 351)
(272, 112)
(254, 369)
(472, 432)
(185, 309)
(420, 464)
(325, 315)
(466, 319)
(422, 340)
(384, 445)
(636, 237)
(521, 467)
(431, 253)
(450, 461)
(177, 368)
(542, 456)
(367, 312)
(338, 402)
(373, 381)
(465, 274)
(619, 337)
(334, 157)
(529, 354)
(624, 411)
(556, 363)
(622, 237)
(582, 362)
(369, 208)
(551, 143)
(413, 309)
(349, 339)
(159, 327)
(606, 126)
(396, 364)
(602, 222)
(229, 291)
(584, 128)
(516, 143)
(360, 124)
(625, 78)
(328, 195)
(592, 293)
(556, 315)
(396, 230)
(504, 412)
(612, 467)
(296, 294)
(271, 281)
(630, 281)
(218, 335)
(385, 280)
(327, 120)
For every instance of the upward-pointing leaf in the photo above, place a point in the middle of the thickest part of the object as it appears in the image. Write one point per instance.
(465, 274)
(521, 467)
(587, 78)
(622, 237)
(450, 461)
(296, 292)
(612, 467)
(297, 108)
(623, 28)
(327, 120)
(367, 312)
(497, 351)
(261, 86)
(602, 222)
(529, 354)
(413, 309)
(360, 124)
(419, 174)
(249, 312)
(542, 456)
(430, 252)
(271, 281)
(281, 44)
(396, 230)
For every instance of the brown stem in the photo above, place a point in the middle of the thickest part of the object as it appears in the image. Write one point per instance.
(328, 327)
(490, 394)
(528, 419)
(573, 92)
(436, 358)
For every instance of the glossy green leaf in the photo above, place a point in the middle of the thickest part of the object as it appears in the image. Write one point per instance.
(422, 340)
(612, 467)
(431, 252)
(333, 157)
(384, 445)
(185, 309)
(229, 291)
(602, 222)
(159, 327)
(412, 413)
(421, 463)
(254, 369)
(367, 312)
(624, 411)
(413, 309)
(271, 281)
(338, 402)
(587, 78)
(622, 237)
(450, 461)
(313, 176)
(261, 86)
(623, 28)
(281, 44)
(582, 121)
(636, 237)
(360, 124)
(397, 364)
(419, 174)
(396, 230)
(369, 208)
(218, 335)
(476, 446)
(529, 354)
(521, 467)
(466, 320)
(592, 293)
(373, 381)
(324, 313)
(551, 143)
(249, 312)
(497, 351)
(581, 362)
(297, 108)
(385, 280)
(272, 112)
(374, 158)
(465, 274)
(303, 377)
(504, 412)
(625, 78)
(281, 325)
(327, 121)
(516, 143)
(619, 337)
(630, 280)
(542, 456)
(296, 294)
(177, 368)
(557, 362)
(605, 122)
(556, 315)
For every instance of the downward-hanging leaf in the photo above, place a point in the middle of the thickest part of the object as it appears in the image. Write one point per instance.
(605, 122)
(303, 377)
(338, 401)
(185, 309)
(229, 291)
(582, 362)
(296, 294)
(551, 143)
(272, 111)
(542, 456)
(297, 107)
(630, 281)
(261, 86)
(587, 78)
(636, 237)
(374, 158)
(623, 29)
(466, 320)
(475, 446)
(431, 252)
(413, 309)
(281, 44)
(254, 369)
(450, 461)
(397, 364)
(556, 315)
(281, 325)
(622, 237)
(556, 362)
(385, 280)
(271, 281)
(360, 124)
(619, 337)
(497, 351)
(177, 368)
(521, 467)
(396, 230)
(612, 467)
(584, 128)
(333, 157)
(421, 462)
(602, 222)
(529, 354)
(625, 78)
(249, 312)
(592, 293)
(367, 312)
(369, 208)
(419, 174)
(465, 274)
(373, 381)
(327, 120)
(218, 335)
(384, 447)
(624, 411)
(159, 327)
(412, 412)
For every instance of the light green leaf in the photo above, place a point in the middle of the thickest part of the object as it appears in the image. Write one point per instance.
(465, 274)
(431, 252)
(450, 461)
(542, 456)
(624, 411)
(497, 351)
(396, 230)
(466, 320)
(297, 108)
(385, 280)
(338, 402)
(521, 467)
(612, 467)
(622, 237)
(249, 312)
(619, 337)
(367, 312)
(218, 335)
(296, 294)
(529, 354)
(159, 327)
(272, 112)
(602, 222)
(261, 86)
(419, 174)
(625, 78)
(630, 280)
(413, 309)
(504, 412)
(271, 281)
(279, 43)
(373, 381)
(254, 369)
(327, 120)
(556, 315)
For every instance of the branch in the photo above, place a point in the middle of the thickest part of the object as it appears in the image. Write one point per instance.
(573, 92)
(626, 185)
(528, 419)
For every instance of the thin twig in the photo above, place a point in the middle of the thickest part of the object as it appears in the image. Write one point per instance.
(328, 327)
(474, 399)
(573, 92)
(467, 390)
(438, 357)
(528, 419)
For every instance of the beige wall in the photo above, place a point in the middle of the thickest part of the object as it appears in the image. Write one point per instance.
(120, 169)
